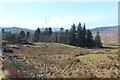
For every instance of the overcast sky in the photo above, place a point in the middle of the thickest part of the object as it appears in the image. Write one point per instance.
(58, 14)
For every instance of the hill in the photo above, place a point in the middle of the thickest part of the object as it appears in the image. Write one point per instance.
(16, 29)
(109, 35)
(108, 28)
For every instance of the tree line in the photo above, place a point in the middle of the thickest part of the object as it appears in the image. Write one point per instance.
(76, 36)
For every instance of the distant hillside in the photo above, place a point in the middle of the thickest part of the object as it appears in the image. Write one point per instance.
(16, 29)
(109, 35)
(108, 28)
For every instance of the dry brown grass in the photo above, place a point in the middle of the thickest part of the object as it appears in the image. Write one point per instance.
(10, 71)
(61, 62)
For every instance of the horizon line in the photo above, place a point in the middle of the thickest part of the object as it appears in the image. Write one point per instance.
(56, 27)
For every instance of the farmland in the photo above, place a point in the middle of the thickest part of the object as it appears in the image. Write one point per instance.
(55, 60)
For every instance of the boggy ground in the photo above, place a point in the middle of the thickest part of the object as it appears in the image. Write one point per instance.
(63, 62)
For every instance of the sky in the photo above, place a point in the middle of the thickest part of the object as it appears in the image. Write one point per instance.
(32, 15)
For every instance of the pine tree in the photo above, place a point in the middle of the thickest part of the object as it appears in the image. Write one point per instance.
(50, 31)
(72, 38)
(61, 29)
(61, 36)
(22, 34)
(84, 36)
(37, 34)
(3, 31)
(13, 37)
(98, 40)
(89, 39)
(56, 37)
(46, 31)
(79, 35)
(21, 38)
(66, 36)
(3, 34)
(28, 36)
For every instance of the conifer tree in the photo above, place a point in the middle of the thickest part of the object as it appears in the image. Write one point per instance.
(49, 31)
(28, 36)
(79, 35)
(61, 35)
(66, 36)
(21, 38)
(89, 39)
(72, 38)
(22, 34)
(37, 34)
(84, 36)
(98, 40)
(3, 31)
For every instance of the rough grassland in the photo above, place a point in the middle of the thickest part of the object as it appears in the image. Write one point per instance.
(64, 61)
(47, 44)
(92, 58)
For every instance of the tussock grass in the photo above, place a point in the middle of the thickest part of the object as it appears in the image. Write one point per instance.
(92, 58)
